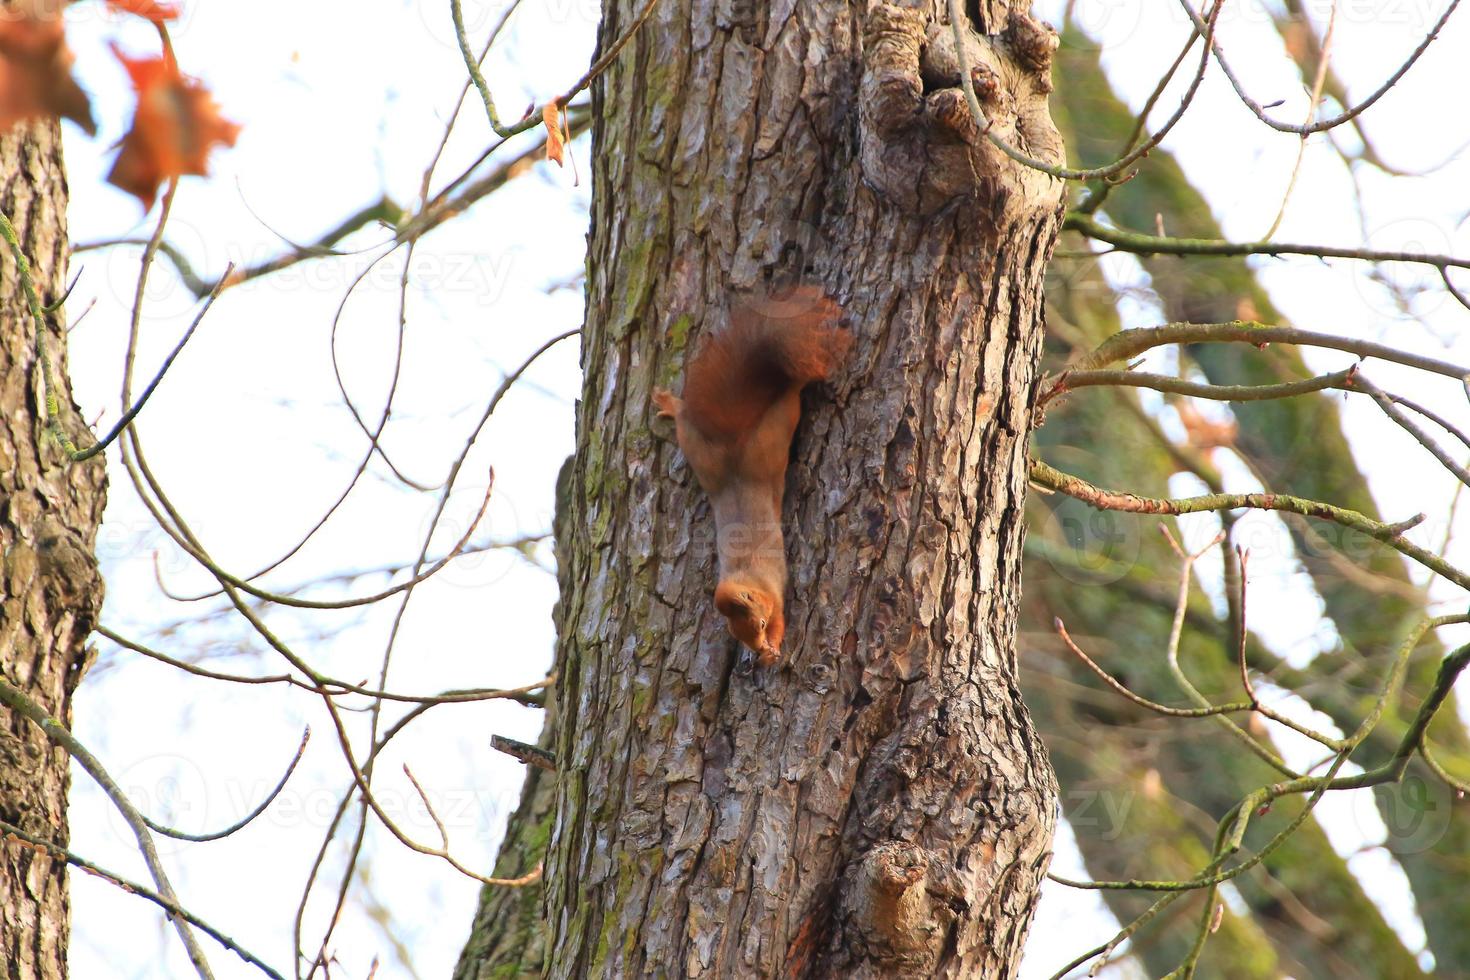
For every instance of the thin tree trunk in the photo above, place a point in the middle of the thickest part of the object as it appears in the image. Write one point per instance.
(879, 804)
(50, 591)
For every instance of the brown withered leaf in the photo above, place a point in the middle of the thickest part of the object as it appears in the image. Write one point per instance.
(154, 10)
(175, 125)
(35, 73)
(555, 144)
(1205, 434)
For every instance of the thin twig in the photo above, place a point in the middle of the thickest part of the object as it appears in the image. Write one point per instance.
(1320, 78)
(337, 688)
(54, 730)
(1334, 744)
(1139, 243)
(1325, 124)
(985, 125)
(533, 119)
(10, 831)
(1176, 634)
(244, 821)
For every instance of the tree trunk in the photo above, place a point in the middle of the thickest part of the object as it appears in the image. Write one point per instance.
(50, 591)
(878, 804)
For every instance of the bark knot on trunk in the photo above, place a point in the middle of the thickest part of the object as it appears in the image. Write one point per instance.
(901, 902)
(922, 147)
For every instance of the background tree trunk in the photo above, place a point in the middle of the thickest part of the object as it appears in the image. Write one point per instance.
(1297, 445)
(50, 591)
(879, 804)
(1142, 792)
(1132, 782)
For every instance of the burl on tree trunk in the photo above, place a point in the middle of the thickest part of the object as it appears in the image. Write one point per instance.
(877, 804)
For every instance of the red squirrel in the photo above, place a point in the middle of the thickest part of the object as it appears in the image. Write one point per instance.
(735, 421)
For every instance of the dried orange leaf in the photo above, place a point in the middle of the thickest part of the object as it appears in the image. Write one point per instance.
(153, 10)
(1206, 434)
(175, 126)
(555, 144)
(35, 73)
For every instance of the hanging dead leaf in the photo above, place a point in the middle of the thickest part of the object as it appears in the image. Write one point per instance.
(1206, 434)
(153, 10)
(176, 124)
(555, 144)
(35, 73)
(1297, 36)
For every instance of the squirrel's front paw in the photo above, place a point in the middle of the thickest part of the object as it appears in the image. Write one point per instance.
(666, 403)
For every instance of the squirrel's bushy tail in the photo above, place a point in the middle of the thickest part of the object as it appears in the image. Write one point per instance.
(773, 345)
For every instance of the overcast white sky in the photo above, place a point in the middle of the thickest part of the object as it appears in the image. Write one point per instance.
(340, 104)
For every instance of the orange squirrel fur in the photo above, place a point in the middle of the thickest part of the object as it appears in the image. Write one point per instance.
(735, 422)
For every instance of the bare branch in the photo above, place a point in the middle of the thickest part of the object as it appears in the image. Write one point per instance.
(1325, 124)
(244, 821)
(531, 755)
(1140, 244)
(1389, 534)
(57, 732)
(984, 125)
(11, 832)
(1130, 343)
(533, 119)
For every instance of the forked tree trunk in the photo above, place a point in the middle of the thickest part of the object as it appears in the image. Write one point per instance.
(879, 804)
(50, 592)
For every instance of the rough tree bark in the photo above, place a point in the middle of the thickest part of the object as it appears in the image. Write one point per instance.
(50, 591)
(879, 804)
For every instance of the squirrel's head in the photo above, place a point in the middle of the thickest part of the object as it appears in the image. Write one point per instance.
(754, 616)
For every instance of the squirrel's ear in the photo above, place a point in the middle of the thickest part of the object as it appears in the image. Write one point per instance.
(729, 601)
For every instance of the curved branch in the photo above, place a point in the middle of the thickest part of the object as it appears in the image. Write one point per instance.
(1138, 699)
(1130, 343)
(533, 119)
(1142, 244)
(196, 550)
(1389, 534)
(337, 688)
(984, 125)
(58, 733)
(1306, 130)
(240, 824)
(11, 831)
